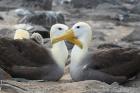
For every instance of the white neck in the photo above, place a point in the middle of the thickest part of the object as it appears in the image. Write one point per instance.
(60, 53)
(78, 54)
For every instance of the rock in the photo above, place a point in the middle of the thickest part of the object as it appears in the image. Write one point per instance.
(122, 17)
(56, 2)
(136, 9)
(4, 75)
(34, 19)
(6, 5)
(130, 1)
(134, 36)
(34, 29)
(106, 6)
(9, 88)
(1, 18)
(88, 86)
(99, 35)
(85, 3)
(21, 12)
(44, 19)
(23, 26)
(61, 2)
(38, 4)
(41, 30)
(66, 2)
(54, 17)
(91, 3)
(6, 32)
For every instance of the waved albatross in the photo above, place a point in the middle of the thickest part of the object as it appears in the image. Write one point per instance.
(106, 65)
(23, 58)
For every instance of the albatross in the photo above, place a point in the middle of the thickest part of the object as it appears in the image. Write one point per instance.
(21, 57)
(106, 65)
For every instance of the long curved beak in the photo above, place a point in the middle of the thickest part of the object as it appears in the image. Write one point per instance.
(69, 36)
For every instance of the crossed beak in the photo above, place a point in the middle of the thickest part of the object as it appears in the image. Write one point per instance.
(70, 37)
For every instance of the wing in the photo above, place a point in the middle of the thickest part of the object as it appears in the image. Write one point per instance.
(116, 61)
(92, 74)
(34, 52)
(24, 52)
(47, 72)
(114, 56)
(10, 55)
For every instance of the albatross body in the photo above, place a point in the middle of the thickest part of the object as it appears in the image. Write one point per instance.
(106, 65)
(23, 58)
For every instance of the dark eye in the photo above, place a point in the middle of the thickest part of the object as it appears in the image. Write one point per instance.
(59, 28)
(78, 27)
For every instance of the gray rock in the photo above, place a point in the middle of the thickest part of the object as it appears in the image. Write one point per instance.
(136, 9)
(35, 19)
(61, 2)
(21, 12)
(6, 5)
(85, 3)
(99, 35)
(45, 19)
(41, 30)
(38, 4)
(6, 32)
(134, 36)
(92, 3)
(1, 18)
(34, 29)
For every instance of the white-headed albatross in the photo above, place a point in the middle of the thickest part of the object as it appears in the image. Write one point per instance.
(106, 65)
(23, 58)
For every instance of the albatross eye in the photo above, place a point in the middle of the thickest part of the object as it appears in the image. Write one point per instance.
(78, 27)
(59, 28)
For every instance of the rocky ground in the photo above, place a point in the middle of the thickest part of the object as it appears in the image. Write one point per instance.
(111, 23)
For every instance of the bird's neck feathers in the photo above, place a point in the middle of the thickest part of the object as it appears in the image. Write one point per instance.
(60, 53)
(78, 54)
(21, 34)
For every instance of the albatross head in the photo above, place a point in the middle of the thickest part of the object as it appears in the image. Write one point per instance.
(57, 30)
(80, 34)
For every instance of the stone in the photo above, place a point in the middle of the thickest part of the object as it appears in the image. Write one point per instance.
(45, 19)
(42, 21)
(35, 19)
(38, 4)
(88, 86)
(4, 75)
(91, 3)
(41, 30)
(6, 5)
(133, 36)
(136, 9)
(21, 12)
(1, 18)
(99, 35)
(6, 32)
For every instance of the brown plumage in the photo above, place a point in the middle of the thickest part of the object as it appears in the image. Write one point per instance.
(25, 58)
(117, 61)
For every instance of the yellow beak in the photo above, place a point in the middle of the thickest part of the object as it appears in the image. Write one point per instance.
(69, 36)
